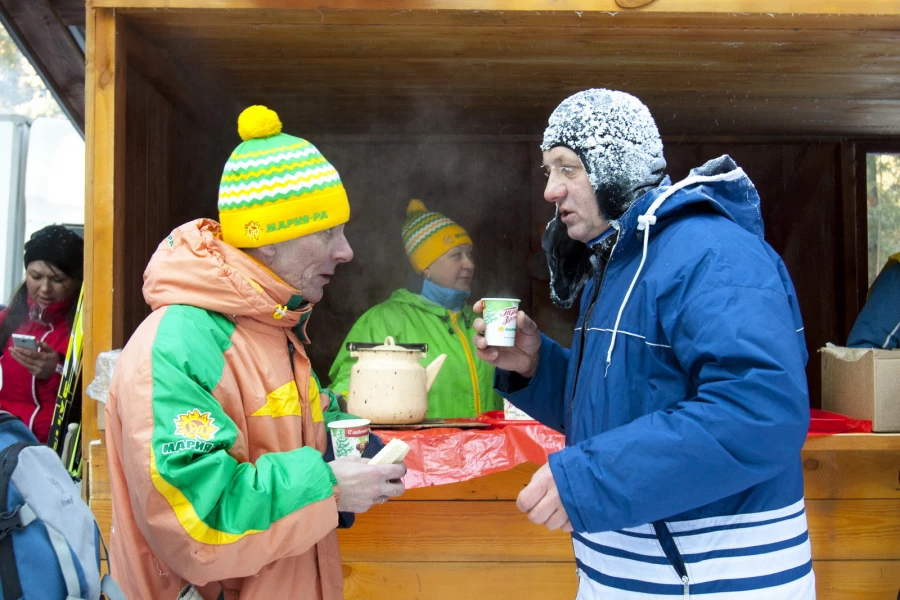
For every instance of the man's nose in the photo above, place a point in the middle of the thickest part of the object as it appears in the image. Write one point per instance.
(555, 190)
(342, 251)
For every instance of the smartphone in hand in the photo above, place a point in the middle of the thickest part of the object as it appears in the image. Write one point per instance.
(24, 341)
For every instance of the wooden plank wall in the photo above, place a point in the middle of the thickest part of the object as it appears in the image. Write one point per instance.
(494, 188)
(172, 171)
(482, 185)
(468, 540)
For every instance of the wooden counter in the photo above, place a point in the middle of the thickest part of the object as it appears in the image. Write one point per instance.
(468, 540)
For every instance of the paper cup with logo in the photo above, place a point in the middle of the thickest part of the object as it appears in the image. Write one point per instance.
(349, 437)
(513, 413)
(500, 321)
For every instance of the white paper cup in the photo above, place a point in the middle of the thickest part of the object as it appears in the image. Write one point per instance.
(500, 321)
(512, 413)
(349, 437)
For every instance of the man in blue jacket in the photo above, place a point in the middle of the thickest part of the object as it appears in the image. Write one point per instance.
(683, 398)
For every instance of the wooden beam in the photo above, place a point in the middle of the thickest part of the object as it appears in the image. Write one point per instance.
(855, 442)
(307, 14)
(431, 531)
(730, 7)
(71, 12)
(47, 43)
(104, 201)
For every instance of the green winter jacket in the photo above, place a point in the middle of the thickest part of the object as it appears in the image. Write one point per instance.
(465, 385)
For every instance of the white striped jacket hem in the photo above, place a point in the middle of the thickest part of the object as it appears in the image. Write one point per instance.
(737, 557)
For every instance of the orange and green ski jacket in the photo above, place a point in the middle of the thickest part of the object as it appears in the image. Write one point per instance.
(215, 434)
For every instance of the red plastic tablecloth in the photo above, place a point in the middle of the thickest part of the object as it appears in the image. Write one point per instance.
(445, 455)
(451, 455)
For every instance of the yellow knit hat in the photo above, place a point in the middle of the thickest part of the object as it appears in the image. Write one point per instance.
(277, 187)
(428, 235)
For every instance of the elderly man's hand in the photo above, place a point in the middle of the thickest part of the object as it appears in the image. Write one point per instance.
(41, 364)
(540, 500)
(361, 485)
(521, 358)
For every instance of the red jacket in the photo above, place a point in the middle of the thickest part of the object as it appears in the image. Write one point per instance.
(30, 399)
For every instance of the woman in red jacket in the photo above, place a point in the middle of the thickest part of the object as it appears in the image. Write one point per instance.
(43, 307)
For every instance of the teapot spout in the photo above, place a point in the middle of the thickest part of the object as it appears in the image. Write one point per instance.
(432, 370)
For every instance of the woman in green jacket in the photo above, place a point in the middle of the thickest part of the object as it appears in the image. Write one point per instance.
(441, 251)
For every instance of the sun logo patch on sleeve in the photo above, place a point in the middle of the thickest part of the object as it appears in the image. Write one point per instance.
(195, 425)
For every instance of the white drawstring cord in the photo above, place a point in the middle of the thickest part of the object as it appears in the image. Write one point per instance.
(644, 222)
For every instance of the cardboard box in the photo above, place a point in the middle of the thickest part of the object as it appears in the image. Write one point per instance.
(862, 383)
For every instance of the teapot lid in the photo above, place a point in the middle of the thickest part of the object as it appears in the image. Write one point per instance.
(389, 345)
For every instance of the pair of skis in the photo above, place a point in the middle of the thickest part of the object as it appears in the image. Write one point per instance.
(65, 428)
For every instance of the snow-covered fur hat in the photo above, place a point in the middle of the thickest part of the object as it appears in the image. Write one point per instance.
(618, 143)
(616, 138)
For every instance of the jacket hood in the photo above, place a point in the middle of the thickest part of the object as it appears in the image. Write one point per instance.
(718, 186)
(193, 266)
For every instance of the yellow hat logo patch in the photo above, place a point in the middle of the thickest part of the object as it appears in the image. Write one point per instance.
(252, 229)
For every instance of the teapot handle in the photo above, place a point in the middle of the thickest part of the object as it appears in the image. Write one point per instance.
(354, 346)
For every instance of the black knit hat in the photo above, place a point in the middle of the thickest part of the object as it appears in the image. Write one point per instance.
(59, 246)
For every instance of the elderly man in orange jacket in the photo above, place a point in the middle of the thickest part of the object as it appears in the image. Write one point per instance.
(215, 422)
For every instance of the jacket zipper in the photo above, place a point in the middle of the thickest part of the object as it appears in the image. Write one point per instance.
(471, 362)
(37, 404)
(668, 545)
(584, 327)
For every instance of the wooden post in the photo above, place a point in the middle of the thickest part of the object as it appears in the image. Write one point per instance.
(104, 182)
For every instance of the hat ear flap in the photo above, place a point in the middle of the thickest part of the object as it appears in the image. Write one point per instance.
(569, 262)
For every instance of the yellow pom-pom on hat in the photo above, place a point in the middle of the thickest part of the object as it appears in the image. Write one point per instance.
(415, 206)
(257, 122)
(428, 235)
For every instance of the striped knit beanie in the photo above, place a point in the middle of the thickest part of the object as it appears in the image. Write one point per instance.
(276, 187)
(428, 235)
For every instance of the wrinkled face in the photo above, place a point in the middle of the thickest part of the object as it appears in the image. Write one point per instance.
(569, 188)
(453, 269)
(307, 263)
(48, 285)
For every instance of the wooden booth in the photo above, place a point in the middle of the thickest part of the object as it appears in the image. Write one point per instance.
(446, 100)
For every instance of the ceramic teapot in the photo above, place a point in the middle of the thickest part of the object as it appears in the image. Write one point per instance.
(387, 383)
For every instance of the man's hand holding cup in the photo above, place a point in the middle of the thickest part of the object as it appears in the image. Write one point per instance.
(518, 334)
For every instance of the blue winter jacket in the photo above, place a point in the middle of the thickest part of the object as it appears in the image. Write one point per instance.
(878, 324)
(685, 413)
